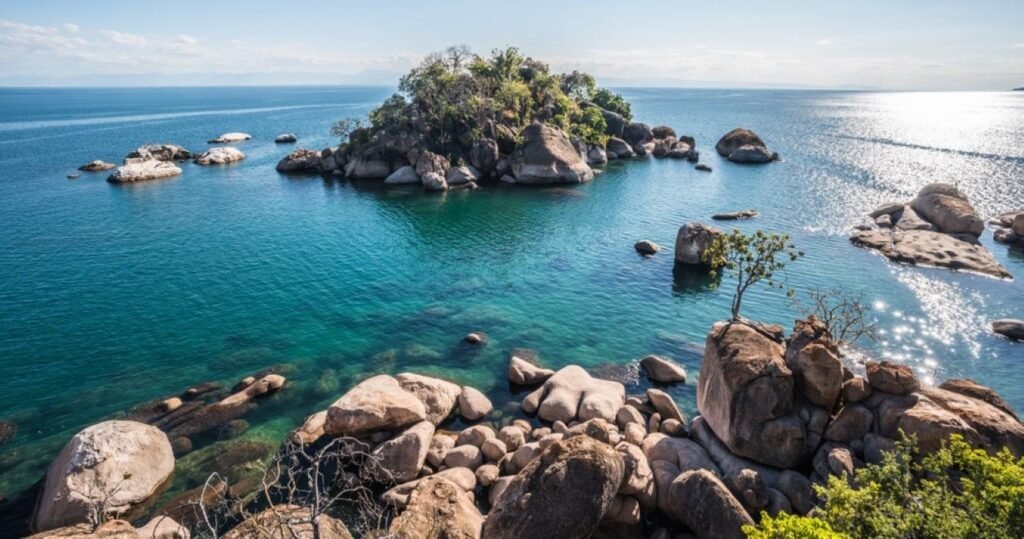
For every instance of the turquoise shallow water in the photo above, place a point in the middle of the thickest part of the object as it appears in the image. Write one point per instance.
(114, 295)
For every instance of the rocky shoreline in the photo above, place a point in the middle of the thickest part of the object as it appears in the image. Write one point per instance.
(775, 415)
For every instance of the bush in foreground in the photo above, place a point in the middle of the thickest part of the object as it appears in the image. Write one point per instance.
(958, 492)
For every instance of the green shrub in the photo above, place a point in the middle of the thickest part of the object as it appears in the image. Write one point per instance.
(787, 526)
(957, 492)
(609, 100)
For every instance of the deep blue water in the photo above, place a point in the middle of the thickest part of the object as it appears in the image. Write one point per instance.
(114, 295)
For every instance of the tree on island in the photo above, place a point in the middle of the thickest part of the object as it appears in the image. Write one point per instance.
(750, 259)
(455, 97)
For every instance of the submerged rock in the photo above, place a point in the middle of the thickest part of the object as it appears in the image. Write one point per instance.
(230, 137)
(547, 156)
(116, 465)
(144, 170)
(220, 156)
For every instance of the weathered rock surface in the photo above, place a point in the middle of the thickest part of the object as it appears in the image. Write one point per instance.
(230, 137)
(891, 377)
(220, 156)
(438, 509)
(745, 392)
(744, 146)
(573, 394)
(144, 170)
(300, 160)
(545, 500)
(289, 522)
(473, 404)
(547, 156)
(947, 208)
(404, 175)
(377, 403)
(119, 465)
(401, 457)
(664, 370)
(438, 396)
(692, 240)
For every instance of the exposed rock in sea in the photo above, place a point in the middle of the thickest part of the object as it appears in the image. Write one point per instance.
(545, 501)
(377, 403)
(286, 138)
(1010, 328)
(620, 148)
(735, 215)
(230, 137)
(434, 182)
(573, 394)
(664, 370)
(637, 133)
(138, 171)
(429, 162)
(300, 160)
(96, 166)
(702, 167)
(744, 146)
(404, 175)
(938, 228)
(692, 240)
(220, 156)
(646, 247)
(377, 160)
(473, 404)
(546, 156)
(160, 152)
(663, 132)
(461, 175)
(118, 466)
(523, 368)
(596, 156)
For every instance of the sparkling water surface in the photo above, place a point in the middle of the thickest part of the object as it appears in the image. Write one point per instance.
(113, 295)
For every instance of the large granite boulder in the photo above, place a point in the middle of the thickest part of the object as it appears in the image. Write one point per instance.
(404, 175)
(220, 156)
(814, 360)
(744, 146)
(376, 160)
(745, 392)
(702, 502)
(430, 162)
(438, 396)
(947, 208)
(289, 522)
(401, 457)
(637, 133)
(139, 171)
(301, 160)
(375, 404)
(547, 156)
(114, 466)
(523, 369)
(996, 428)
(573, 394)
(1018, 225)
(565, 492)
(438, 509)
(619, 147)
(691, 242)
(664, 370)
(484, 155)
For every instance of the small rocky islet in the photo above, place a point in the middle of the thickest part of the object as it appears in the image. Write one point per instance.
(579, 457)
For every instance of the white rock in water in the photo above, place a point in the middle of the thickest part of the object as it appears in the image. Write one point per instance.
(119, 464)
(144, 170)
(220, 156)
(230, 137)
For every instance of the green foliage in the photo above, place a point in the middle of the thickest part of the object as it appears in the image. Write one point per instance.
(787, 526)
(454, 97)
(609, 100)
(344, 129)
(750, 259)
(590, 127)
(957, 492)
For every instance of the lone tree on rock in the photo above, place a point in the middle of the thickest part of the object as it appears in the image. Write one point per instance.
(751, 259)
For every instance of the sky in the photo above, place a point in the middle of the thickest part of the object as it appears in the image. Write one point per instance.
(893, 44)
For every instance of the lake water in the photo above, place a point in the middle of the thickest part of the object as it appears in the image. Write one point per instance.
(114, 295)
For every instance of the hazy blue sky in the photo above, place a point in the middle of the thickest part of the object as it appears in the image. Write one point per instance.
(879, 44)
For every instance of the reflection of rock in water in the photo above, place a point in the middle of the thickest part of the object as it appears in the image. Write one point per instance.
(564, 192)
(690, 279)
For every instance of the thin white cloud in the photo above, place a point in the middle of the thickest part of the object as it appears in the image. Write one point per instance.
(123, 38)
(1018, 45)
(823, 42)
(70, 27)
(187, 40)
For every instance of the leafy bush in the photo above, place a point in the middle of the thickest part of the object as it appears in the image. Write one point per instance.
(609, 100)
(787, 526)
(590, 127)
(957, 492)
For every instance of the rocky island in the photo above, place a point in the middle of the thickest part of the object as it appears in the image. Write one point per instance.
(460, 119)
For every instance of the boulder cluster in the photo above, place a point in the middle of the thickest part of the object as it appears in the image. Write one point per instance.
(159, 161)
(742, 145)
(1009, 228)
(584, 458)
(938, 228)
